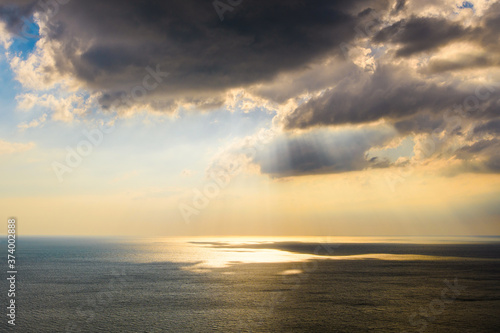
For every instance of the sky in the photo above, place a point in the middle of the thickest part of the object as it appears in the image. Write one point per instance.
(272, 118)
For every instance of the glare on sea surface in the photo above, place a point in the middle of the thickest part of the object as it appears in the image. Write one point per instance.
(204, 254)
(219, 257)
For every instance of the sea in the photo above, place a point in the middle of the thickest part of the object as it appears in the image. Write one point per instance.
(254, 284)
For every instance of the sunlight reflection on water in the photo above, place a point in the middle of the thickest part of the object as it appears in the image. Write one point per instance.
(204, 254)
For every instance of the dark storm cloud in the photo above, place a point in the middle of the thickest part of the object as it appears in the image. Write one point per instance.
(427, 34)
(419, 123)
(364, 98)
(490, 127)
(107, 44)
(491, 26)
(485, 36)
(17, 15)
(468, 62)
(419, 34)
(322, 152)
(486, 151)
(412, 103)
(477, 147)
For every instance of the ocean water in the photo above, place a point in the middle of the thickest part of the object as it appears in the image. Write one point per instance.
(256, 285)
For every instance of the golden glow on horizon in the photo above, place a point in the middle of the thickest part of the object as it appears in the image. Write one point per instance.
(358, 203)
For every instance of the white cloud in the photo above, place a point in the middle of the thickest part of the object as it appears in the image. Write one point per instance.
(63, 108)
(34, 123)
(12, 147)
(5, 40)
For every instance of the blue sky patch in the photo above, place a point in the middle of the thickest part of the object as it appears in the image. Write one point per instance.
(466, 4)
(24, 42)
